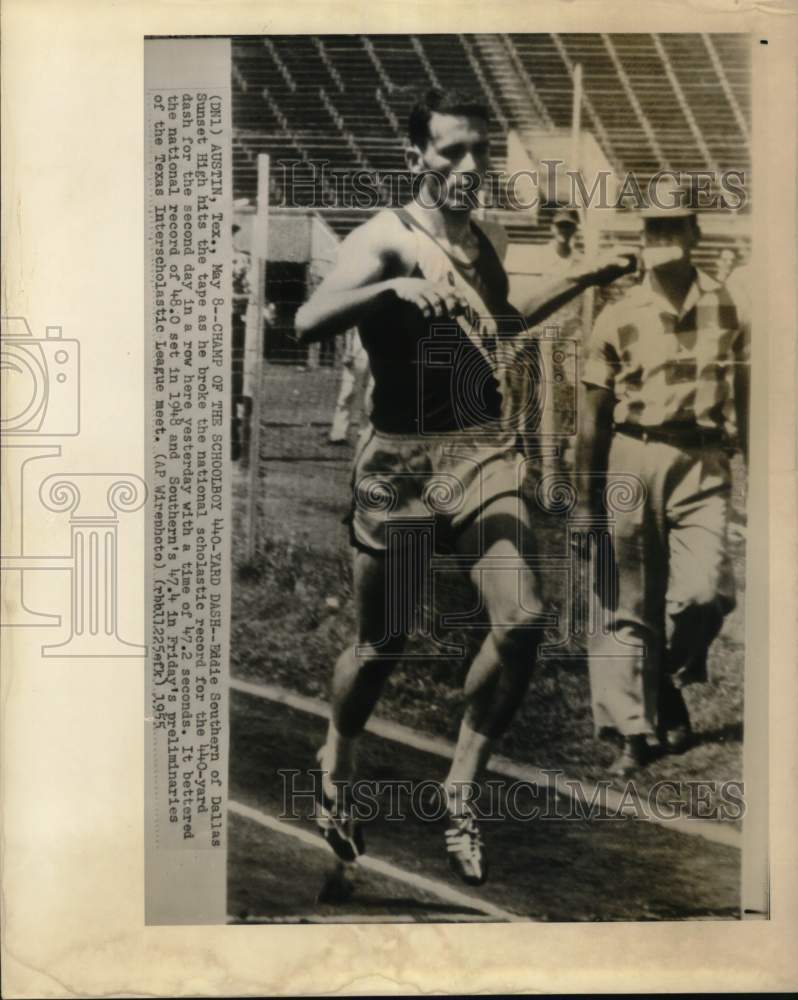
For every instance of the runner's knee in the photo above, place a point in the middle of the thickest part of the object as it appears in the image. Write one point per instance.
(376, 657)
(517, 634)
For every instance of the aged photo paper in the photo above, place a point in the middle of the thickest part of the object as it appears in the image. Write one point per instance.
(398, 499)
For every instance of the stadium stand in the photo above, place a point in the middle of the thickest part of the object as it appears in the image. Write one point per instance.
(652, 101)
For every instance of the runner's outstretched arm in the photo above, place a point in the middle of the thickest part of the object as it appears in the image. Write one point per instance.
(358, 283)
(350, 290)
(329, 312)
(556, 293)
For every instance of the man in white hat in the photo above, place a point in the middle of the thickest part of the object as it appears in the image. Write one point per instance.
(664, 400)
(560, 250)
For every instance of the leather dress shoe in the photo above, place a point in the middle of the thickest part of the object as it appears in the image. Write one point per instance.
(634, 754)
(678, 738)
(674, 731)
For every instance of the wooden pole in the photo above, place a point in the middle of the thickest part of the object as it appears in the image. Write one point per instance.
(253, 353)
(576, 117)
(552, 421)
(588, 240)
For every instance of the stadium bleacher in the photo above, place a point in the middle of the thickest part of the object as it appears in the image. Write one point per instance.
(677, 101)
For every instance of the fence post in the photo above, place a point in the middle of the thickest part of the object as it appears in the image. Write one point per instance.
(253, 354)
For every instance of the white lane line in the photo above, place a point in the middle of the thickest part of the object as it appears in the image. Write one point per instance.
(384, 868)
(585, 791)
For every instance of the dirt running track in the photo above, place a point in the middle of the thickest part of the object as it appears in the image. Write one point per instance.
(545, 869)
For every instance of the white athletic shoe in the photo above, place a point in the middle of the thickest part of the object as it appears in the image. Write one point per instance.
(337, 825)
(464, 847)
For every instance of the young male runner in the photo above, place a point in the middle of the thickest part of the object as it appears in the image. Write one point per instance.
(437, 421)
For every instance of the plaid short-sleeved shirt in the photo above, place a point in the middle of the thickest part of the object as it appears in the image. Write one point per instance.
(665, 367)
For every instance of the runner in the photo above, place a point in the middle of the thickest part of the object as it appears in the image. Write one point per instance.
(428, 292)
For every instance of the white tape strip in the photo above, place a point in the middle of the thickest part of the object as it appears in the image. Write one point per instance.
(371, 864)
(717, 832)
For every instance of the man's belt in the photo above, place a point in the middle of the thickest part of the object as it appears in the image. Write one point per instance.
(689, 436)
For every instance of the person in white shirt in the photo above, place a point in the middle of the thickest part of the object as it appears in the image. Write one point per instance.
(355, 390)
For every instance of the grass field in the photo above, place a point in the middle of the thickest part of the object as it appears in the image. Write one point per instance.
(292, 610)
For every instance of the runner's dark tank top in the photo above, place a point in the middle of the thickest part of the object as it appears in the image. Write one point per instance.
(429, 375)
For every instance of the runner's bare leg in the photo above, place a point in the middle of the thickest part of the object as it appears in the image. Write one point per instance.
(362, 668)
(499, 674)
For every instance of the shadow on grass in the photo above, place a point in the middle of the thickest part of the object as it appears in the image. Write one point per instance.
(249, 572)
(732, 732)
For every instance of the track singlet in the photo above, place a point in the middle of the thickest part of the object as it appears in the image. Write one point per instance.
(435, 376)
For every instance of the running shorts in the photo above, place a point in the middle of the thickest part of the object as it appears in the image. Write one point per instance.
(450, 481)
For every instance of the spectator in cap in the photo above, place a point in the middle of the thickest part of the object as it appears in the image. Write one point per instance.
(561, 258)
(664, 400)
(727, 261)
(561, 253)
